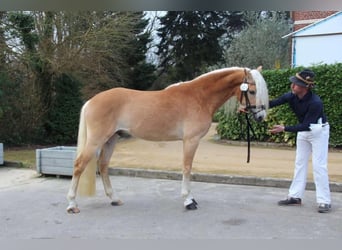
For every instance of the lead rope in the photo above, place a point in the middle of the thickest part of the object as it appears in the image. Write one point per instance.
(249, 128)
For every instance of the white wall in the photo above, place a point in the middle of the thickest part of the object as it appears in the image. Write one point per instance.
(1, 154)
(316, 50)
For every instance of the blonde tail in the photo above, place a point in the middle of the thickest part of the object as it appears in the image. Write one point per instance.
(87, 184)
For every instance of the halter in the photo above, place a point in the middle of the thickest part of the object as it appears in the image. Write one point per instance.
(244, 87)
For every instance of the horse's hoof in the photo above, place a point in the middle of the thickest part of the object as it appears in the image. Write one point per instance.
(191, 206)
(73, 210)
(116, 203)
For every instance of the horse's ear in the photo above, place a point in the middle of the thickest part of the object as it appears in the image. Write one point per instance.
(259, 68)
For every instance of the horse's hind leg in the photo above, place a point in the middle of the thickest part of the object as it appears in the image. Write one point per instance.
(103, 162)
(79, 166)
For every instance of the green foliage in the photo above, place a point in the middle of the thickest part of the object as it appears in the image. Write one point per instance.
(233, 126)
(263, 36)
(21, 110)
(24, 25)
(328, 86)
(62, 120)
(141, 74)
(190, 41)
(4, 105)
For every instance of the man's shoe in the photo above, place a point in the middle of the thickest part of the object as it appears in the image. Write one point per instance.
(290, 202)
(324, 208)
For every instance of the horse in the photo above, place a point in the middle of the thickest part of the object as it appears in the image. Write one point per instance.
(182, 111)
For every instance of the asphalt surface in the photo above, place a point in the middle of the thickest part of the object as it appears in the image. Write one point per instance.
(34, 207)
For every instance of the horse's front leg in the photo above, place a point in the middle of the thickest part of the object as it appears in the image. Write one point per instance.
(189, 149)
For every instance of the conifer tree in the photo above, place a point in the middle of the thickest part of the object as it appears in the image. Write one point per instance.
(193, 40)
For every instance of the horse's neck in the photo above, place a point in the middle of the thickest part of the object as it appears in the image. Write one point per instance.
(219, 87)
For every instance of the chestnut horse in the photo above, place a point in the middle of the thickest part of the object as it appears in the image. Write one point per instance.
(183, 111)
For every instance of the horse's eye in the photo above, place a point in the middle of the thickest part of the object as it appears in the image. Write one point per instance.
(252, 92)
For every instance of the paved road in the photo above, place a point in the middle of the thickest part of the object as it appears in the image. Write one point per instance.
(34, 208)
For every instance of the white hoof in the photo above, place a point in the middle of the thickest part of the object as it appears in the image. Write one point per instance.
(73, 210)
(190, 204)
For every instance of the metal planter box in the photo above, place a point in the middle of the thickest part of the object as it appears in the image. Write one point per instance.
(1, 154)
(57, 160)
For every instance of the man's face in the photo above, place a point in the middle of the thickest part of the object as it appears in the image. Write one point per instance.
(298, 90)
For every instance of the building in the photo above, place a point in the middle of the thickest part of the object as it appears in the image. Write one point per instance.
(316, 38)
(305, 18)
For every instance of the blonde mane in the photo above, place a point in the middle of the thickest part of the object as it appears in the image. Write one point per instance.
(174, 85)
(262, 91)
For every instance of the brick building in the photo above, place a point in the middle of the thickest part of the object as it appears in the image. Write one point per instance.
(304, 18)
(316, 37)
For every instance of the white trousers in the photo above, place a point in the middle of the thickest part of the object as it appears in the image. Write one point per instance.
(315, 142)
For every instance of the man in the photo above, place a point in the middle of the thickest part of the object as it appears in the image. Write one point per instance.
(312, 137)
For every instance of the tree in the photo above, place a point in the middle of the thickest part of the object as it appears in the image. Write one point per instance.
(62, 121)
(261, 42)
(3, 45)
(3, 48)
(20, 102)
(91, 45)
(95, 49)
(192, 40)
(141, 74)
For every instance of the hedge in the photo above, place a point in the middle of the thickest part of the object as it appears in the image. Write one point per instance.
(328, 86)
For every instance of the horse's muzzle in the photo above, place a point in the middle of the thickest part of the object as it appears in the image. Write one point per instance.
(259, 115)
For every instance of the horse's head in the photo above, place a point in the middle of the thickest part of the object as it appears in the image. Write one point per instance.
(254, 94)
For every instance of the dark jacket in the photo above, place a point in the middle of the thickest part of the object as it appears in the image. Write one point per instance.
(307, 110)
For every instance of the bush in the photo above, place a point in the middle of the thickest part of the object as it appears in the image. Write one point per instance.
(62, 120)
(20, 110)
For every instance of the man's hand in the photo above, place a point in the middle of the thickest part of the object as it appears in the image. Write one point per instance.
(241, 109)
(277, 129)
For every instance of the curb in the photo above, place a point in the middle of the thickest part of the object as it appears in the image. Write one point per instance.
(16, 164)
(215, 178)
